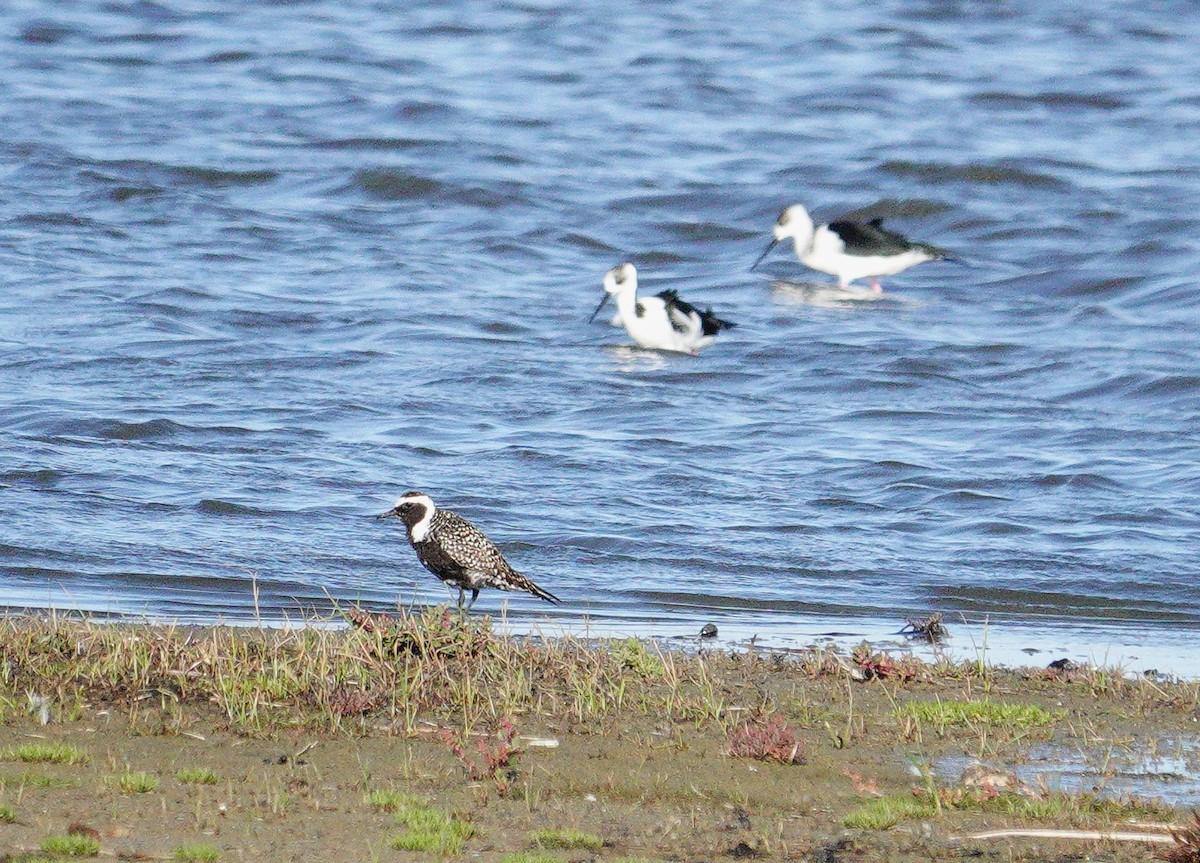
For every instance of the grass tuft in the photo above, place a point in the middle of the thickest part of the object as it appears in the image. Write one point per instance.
(197, 776)
(430, 831)
(195, 854)
(566, 840)
(1080, 810)
(634, 654)
(884, 813)
(391, 800)
(995, 713)
(74, 845)
(34, 780)
(530, 857)
(137, 783)
(46, 753)
(7, 815)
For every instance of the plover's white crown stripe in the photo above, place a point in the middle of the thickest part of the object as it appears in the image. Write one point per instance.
(420, 530)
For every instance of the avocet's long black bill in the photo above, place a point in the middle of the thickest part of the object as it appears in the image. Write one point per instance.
(766, 252)
(603, 300)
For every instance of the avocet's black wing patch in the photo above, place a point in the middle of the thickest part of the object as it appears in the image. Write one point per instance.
(870, 238)
(680, 312)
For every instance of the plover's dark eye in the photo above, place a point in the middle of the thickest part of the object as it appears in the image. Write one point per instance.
(620, 278)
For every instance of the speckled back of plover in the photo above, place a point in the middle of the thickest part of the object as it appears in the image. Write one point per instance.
(456, 551)
(848, 249)
(663, 322)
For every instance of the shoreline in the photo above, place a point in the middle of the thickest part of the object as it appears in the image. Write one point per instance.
(1163, 652)
(335, 742)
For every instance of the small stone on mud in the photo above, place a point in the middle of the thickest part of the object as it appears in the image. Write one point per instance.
(743, 850)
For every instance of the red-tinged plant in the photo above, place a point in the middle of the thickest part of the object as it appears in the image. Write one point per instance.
(773, 740)
(883, 666)
(495, 756)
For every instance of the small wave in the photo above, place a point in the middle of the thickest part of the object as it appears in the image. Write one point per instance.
(43, 477)
(218, 178)
(895, 208)
(843, 503)
(589, 244)
(122, 61)
(1053, 99)
(45, 33)
(376, 144)
(229, 57)
(1184, 385)
(397, 185)
(1102, 288)
(969, 497)
(121, 194)
(1076, 480)
(119, 430)
(988, 175)
(212, 506)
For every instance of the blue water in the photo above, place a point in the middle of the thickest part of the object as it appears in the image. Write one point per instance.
(266, 268)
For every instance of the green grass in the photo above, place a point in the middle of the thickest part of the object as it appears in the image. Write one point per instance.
(1074, 809)
(886, 812)
(430, 831)
(635, 654)
(566, 839)
(197, 776)
(530, 857)
(137, 783)
(34, 780)
(7, 815)
(46, 753)
(996, 713)
(71, 846)
(195, 854)
(390, 800)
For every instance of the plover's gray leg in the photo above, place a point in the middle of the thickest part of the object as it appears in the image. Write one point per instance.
(474, 596)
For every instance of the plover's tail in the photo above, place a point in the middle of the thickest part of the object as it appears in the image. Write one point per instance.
(521, 582)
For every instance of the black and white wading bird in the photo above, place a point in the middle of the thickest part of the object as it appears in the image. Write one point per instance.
(663, 322)
(849, 250)
(456, 551)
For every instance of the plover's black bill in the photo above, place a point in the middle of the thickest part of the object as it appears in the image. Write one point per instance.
(603, 300)
(766, 252)
(391, 513)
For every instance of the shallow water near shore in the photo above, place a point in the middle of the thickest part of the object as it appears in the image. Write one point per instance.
(268, 268)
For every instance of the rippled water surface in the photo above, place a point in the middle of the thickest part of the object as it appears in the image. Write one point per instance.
(266, 268)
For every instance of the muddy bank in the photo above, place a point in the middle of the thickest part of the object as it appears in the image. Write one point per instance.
(428, 737)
